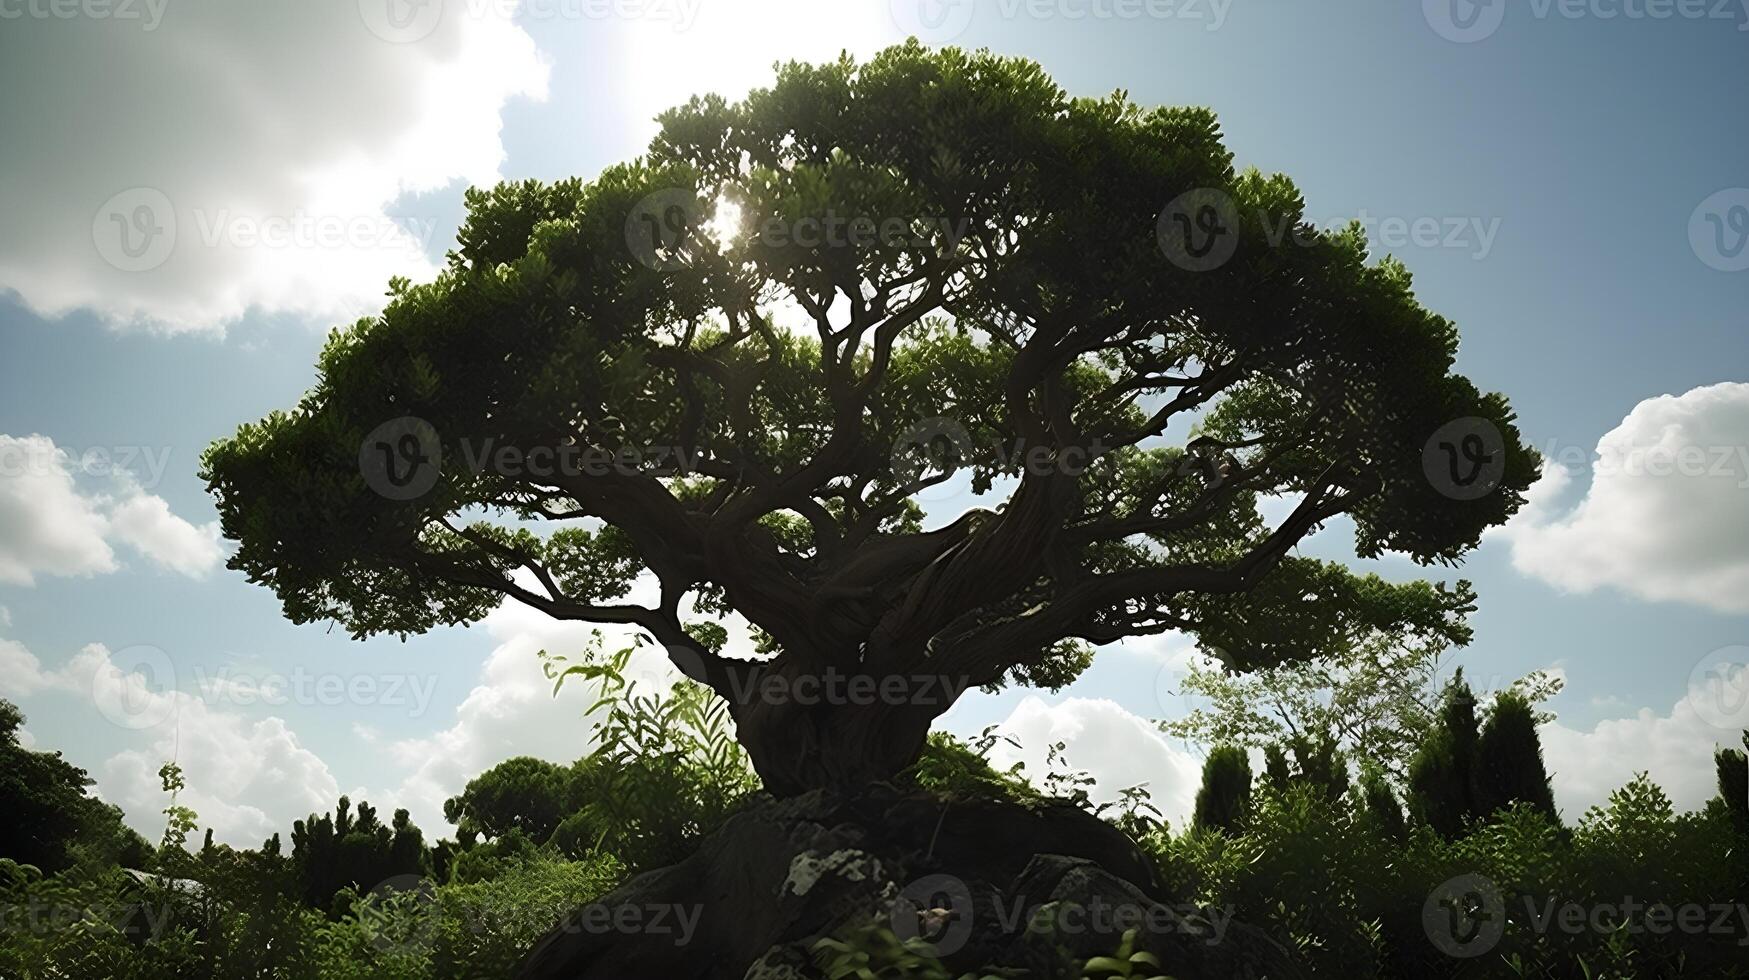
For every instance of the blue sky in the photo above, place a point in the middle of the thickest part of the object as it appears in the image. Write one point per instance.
(1585, 174)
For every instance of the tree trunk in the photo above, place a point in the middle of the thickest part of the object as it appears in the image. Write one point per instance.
(836, 731)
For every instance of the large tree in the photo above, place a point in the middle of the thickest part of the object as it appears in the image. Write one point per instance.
(936, 249)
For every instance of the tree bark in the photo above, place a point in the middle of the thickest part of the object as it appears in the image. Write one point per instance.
(836, 730)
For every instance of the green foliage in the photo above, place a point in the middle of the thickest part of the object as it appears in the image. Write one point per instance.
(665, 769)
(102, 926)
(1047, 319)
(1442, 781)
(875, 953)
(953, 769)
(356, 851)
(1126, 962)
(47, 820)
(1381, 811)
(1733, 774)
(1509, 759)
(477, 929)
(523, 793)
(1314, 762)
(1377, 698)
(1467, 770)
(1225, 796)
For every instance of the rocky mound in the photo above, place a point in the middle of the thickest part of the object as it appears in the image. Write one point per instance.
(990, 884)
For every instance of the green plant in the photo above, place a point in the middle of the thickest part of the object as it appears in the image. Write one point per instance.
(874, 952)
(1127, 962)
(665, 769)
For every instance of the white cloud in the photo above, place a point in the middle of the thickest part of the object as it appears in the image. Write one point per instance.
(512, 711)
(46, 526)
(5, 616)
(21, 674)
(1118, 749)
(145, 523)
(1675, 748)
(1666, 517)
(49, 526)
(232, 159)
(246, 778)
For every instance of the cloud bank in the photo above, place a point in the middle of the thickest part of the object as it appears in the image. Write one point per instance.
(247, 156)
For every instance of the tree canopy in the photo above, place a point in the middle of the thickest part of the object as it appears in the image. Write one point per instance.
(729, 367)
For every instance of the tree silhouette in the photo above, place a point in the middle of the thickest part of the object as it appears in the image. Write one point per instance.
(1379, 807)
(524, 792)
(353, 849)
(48, 814)
(1509, 759)
(941, 263)
(1225, 795)
(1442, 781)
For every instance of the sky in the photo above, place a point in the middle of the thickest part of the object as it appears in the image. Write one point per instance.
(195, 191)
